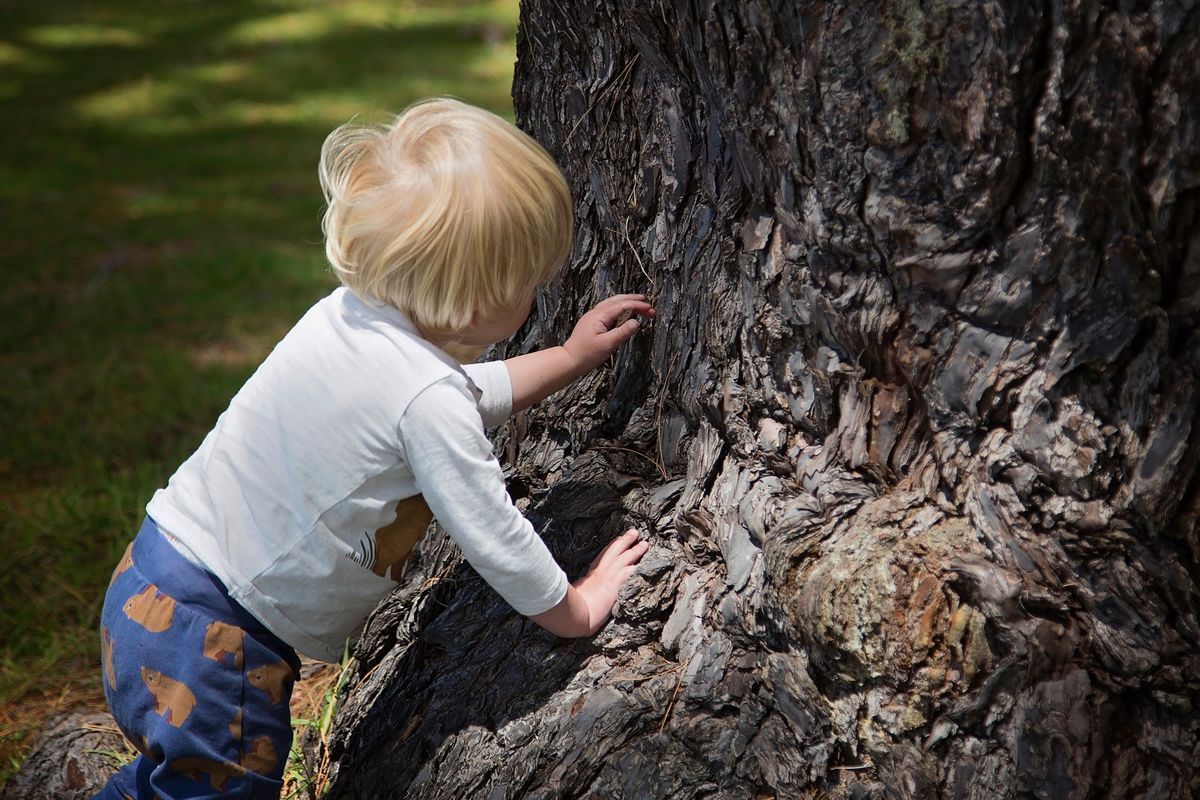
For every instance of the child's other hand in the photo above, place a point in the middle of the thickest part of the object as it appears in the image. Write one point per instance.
(608, 574)
(590, 600)
(605, 328)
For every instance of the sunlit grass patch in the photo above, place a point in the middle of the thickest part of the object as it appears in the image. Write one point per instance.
(12, 55)
(315, 22)
(182, 92)
(17, 62)
(466, 54)
(83, 35)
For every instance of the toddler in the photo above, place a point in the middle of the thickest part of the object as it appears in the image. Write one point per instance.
(299, 509)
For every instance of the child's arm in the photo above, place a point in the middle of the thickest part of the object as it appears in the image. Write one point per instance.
(590, 600)
(461, 481)
(536, 376)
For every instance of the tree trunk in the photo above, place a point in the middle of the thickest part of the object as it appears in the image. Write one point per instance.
(72, 758)
(915, 434)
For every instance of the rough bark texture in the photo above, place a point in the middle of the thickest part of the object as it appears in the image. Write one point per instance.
(915, 434)
(71, 760)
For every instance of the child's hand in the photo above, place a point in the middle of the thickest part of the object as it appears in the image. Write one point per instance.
(536, 376)
(605, 328)
(590, 601)
(608, 574)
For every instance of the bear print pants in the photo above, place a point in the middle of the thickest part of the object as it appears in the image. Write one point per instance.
(198, 685)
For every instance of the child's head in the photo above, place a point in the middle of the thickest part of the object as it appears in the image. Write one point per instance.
(448, 213)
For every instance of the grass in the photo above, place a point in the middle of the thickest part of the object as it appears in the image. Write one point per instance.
(314, 703)
(159, 231)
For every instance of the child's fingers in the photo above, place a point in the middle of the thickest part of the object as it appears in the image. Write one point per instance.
(631, 555)
(634, 545)
(619, 546)
(623, 331)
(620, 334)
(618, 298)
(614, 549)
(616, 314)
(622, 324)
(623, 543)
(629, 311)
(634, 551)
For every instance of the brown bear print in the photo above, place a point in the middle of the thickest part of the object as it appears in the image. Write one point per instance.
(150, 609)
(235, 727)
(260, 756)
(218, 772)
(222, 640)
(394, 543)
(172, 699)
(125, 563)
(274, 679)
(106, 652)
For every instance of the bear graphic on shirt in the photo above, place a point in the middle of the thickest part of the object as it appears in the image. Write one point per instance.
(151, 609)
(394, 543)
(172, 699)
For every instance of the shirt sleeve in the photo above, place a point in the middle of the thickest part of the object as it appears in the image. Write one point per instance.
(456, 471)
(493, 381)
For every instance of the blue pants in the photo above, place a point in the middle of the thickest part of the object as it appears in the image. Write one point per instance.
(198, 685)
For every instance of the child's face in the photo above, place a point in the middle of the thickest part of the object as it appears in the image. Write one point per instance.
(486, 331)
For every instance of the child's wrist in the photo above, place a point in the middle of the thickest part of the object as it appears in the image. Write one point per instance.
(575, 365)
(571, 618)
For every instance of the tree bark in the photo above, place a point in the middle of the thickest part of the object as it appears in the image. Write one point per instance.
(914, 436)
(71, 760)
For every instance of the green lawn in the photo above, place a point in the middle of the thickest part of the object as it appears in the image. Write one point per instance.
(159, 231)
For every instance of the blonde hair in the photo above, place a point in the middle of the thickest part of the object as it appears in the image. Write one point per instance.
(446, 212)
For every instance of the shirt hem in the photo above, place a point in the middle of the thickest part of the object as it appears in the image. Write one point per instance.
(279, 624)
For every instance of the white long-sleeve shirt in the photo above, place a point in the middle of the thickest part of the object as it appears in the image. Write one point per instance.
(351, 413)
